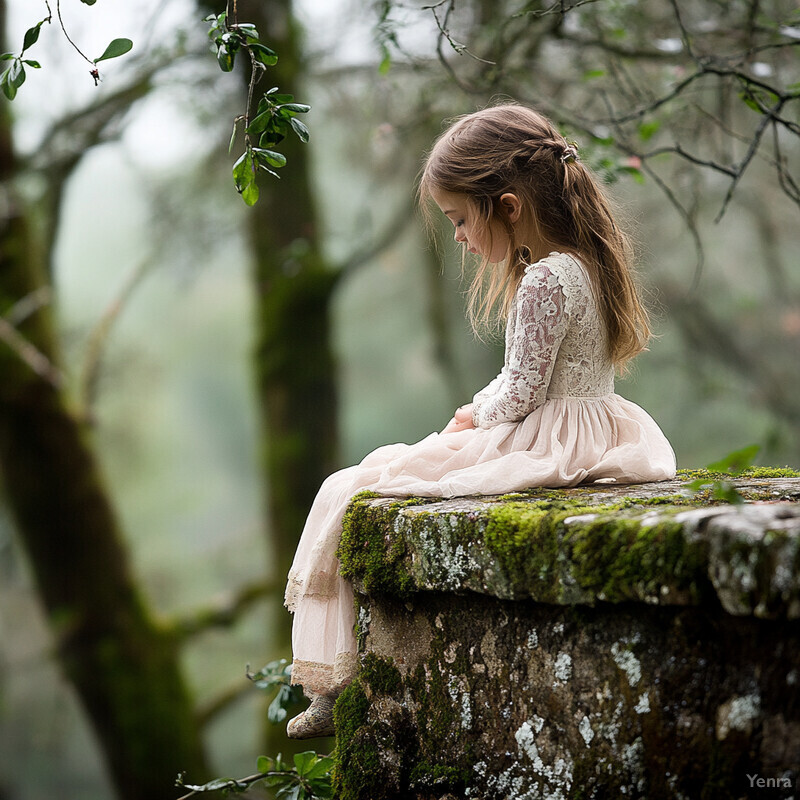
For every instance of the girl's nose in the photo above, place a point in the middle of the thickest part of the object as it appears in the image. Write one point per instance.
(459, 235)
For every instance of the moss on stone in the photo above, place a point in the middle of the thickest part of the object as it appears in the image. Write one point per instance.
(750, 472)
(439, 776)
(624, 559)
(370, 550)
(615, 556)
(618, 553)
(381, 675)
(523, 536)
(356, 772)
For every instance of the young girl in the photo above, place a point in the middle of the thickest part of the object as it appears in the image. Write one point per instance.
(556, 267)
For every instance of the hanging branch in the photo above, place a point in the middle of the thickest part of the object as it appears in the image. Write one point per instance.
(31, 355)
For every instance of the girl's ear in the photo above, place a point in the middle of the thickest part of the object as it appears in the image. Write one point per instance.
(512, 205)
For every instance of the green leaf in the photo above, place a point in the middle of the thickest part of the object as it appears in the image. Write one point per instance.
(727, 492)
(265, 764)
(289, 793)
(116, 48)
(273, 674)
(250, 194)
(593, 73)
(758, 99)
(7, 56)
(276, 712)
(225, 58)
(297, 108)
(9, 90)
(634, 172)
(300, 129)
(31, 63)
(304, 761)
(736, 461)
(248, 29)
(264, 54)
(13, 78)
(243, 171)
(386, 64)
(271, 137)
(270, 157)
(323, 766)
(648, 129)
(31, 36)
(321, 787)
(88, 2)
(260, 122)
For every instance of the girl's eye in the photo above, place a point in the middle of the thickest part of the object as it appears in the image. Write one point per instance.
(459, 223)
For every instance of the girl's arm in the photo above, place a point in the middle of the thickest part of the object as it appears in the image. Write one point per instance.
(539, 328)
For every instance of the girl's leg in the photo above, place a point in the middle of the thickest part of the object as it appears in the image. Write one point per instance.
(324, 649)
(315, 721)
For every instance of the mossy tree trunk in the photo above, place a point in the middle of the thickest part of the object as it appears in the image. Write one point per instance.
(124, 668)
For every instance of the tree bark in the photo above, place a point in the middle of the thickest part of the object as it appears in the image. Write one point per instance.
(125, 668)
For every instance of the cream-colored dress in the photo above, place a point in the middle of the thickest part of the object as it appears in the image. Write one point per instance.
(550, 418)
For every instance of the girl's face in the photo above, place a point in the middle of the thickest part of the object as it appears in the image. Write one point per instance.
(489, 241)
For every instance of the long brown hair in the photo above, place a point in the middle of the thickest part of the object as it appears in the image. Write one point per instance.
(511, 148)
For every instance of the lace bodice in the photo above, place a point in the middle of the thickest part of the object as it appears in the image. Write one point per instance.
(556, 345)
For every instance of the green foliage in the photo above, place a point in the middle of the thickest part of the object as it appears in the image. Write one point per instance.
(734, 463)
(278, 674)
(13, 75)
(275, 115)
(309, 778)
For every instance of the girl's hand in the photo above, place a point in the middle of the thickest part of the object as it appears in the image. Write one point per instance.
(461, 421)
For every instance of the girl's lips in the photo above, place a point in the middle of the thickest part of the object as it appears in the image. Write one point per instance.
(472, 250)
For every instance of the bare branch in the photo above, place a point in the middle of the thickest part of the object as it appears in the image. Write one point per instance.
(225, 613)
(31, 355)
(751, 151)
(209, 711)
(28, 305)
(688, 219)
(701, 162)
(98, 338)
(460, 48)
(397, 226)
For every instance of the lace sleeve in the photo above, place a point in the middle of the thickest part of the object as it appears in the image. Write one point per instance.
(488, 391)
(531, 348)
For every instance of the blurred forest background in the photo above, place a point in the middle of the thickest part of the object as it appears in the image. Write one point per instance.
(179, 372)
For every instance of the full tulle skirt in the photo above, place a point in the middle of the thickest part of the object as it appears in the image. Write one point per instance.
(564, 442)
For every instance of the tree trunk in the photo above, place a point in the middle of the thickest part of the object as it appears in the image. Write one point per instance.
(125, 669)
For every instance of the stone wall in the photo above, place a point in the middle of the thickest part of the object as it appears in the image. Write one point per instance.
(599, 642)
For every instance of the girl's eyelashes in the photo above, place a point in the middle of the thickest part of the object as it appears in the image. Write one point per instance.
(459, 223)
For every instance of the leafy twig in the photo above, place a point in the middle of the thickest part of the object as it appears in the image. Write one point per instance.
(310, 779)
(275, 115)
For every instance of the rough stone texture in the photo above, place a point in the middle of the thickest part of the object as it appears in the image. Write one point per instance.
(597, 642)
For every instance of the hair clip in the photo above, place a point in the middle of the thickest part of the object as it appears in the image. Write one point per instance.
(570, 153)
